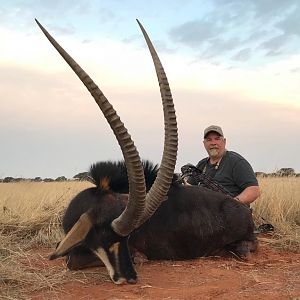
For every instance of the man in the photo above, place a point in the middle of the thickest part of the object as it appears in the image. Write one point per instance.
(228, 168)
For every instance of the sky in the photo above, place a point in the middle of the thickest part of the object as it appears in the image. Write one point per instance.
(233, 63)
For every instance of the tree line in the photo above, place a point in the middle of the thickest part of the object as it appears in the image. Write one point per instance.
(283, 172)
(79, 176)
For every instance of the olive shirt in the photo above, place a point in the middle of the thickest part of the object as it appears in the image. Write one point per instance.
(233, 172)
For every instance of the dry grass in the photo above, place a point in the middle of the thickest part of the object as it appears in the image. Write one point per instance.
(30, 217)
(279, 204)
(33, 210)
(23, 272)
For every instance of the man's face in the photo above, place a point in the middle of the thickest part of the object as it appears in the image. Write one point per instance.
(214, 145)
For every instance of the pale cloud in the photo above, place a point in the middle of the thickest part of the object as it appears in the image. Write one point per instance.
(275, 44)
(111, 60)
(256, 130)
(274, 83)
(291, 24)
(195, 33)
(243, 54)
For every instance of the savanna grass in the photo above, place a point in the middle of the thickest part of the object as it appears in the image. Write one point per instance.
(30, 218)
(32, 211)
(279, 204)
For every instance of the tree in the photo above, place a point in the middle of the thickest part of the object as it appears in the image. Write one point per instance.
(81, 176)
(48, 180)
(286, 172)
(61, 178)
(37, 179)
(8, 179)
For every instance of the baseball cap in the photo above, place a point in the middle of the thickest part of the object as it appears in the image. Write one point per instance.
(213, 128)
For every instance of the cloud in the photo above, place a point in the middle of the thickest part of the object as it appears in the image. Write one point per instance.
(261, 9)
(291, 24)
(66, 147)
(54, 120)
(194, 33)
(232, 26)
(105, 15)
(276, 43)
(243, 54)
(219, 46)
(295, 70)
(62, 30)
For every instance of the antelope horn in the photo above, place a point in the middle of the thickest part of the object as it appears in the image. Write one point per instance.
(162, 183)
(74, 237)
(137, 188)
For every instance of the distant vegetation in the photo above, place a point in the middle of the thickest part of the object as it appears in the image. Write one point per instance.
(79, 176)
(283, 172)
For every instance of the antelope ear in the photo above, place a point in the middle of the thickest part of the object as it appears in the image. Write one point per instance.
(74, 237)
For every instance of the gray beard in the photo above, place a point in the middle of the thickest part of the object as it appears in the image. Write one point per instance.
(213, 152)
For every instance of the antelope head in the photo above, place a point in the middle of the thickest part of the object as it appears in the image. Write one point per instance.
(140, 206)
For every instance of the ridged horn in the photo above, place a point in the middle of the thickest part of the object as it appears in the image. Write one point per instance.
(137, 188)
(162, 183)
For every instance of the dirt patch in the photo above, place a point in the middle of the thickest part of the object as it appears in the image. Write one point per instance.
(269, 274)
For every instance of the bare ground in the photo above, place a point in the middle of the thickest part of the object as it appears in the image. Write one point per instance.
(269, 274)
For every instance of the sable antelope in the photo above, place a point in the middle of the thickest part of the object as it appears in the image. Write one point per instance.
(164, 220)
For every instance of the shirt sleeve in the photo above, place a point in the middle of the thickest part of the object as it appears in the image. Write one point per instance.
(201, 164)
(243, 174)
